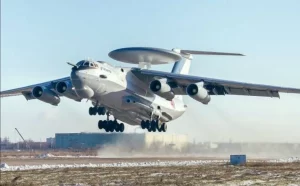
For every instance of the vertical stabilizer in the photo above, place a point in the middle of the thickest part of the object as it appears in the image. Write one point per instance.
(182, 67)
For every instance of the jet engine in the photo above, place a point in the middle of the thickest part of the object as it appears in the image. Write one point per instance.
(45, 95)
(65, 89)
(198, 92)
(162, 89)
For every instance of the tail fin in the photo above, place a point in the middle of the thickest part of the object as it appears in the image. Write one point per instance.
(183, 66)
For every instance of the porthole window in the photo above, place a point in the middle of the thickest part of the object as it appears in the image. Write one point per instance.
(103, 76)
(122, 70)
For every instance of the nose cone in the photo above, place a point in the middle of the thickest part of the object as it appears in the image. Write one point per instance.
(79, 82)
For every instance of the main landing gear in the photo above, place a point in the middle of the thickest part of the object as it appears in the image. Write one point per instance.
(152, 126)
(97, 110)
(111, 125)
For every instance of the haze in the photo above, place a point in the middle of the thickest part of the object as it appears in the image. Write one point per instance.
(39, 37)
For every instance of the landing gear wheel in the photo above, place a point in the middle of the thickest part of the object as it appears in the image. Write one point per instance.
(101, 110)
(164, 127)
(121, 127)
(154, 125)
(91, 111)
(147, 125)
(117, 128)
(143, 124)
(111, 126)
(100, 124)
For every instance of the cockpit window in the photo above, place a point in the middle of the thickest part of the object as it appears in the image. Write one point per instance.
(80, 63)
(86, 63)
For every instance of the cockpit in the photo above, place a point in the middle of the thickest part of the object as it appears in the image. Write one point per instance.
(86, 64)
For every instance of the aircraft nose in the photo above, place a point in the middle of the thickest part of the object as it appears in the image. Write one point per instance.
(78, 79)
(77, 75)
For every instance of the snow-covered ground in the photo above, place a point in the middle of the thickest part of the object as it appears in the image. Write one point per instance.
(288, 160)
(119, 164)
(5, 167)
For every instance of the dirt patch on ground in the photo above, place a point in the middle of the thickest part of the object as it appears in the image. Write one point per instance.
(258, 173)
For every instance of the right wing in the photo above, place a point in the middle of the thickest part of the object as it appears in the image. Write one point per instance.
(215, 86)
(49, 87)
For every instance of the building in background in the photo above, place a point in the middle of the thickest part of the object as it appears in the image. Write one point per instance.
(50, 142)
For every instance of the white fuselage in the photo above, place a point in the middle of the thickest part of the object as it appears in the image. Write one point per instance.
(127, 97)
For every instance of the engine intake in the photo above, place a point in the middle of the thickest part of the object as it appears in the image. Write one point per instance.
(162, 89)
(65, 89)
(61, 87)
(198, 92)
(45, 95)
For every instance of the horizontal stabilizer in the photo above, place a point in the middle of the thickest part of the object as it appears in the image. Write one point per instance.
(209, 53)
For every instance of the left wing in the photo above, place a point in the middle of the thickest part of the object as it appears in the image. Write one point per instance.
(48, 91)
(215, 86)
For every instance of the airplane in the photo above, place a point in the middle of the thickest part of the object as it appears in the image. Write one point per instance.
(138, 95)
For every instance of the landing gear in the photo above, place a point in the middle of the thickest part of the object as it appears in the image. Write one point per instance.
(97, 110)
(152, 126)
(163, 127)
(111, 125)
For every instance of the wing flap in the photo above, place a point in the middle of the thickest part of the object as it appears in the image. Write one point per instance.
(252, 92)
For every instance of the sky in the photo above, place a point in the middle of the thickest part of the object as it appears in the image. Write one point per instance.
(39, 37)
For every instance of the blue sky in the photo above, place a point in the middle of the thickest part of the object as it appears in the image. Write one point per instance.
(38, 37)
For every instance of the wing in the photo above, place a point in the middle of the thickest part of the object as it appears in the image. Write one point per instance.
(49, 88)
(179, 82)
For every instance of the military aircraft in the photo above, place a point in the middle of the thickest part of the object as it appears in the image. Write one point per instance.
(139, 95)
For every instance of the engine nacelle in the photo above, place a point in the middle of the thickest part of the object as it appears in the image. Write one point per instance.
(61, 87)
(65, 89)
(45, 95)
(162, 89)
(198, 92)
